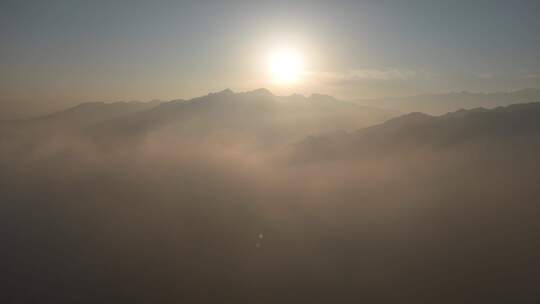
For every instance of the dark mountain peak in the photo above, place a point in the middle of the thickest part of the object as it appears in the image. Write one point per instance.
(226, 92)
(177, 101)
(86, 105)
(527, 90)
(171, 104)
(94, 112)
(223, 95)
(411, 118)
(93, 106)
(527, 95)
(520, 109)
(463, 112)
(261, 92)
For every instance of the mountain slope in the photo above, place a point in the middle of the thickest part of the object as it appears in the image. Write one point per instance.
(260, 113)
(437, 104)
(502, 127)
(256, 116)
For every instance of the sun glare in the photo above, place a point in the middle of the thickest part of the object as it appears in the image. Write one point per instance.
(286, 66)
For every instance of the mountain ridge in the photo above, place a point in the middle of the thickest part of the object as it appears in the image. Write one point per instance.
(254, 116)
(517, 124)
(437, 104)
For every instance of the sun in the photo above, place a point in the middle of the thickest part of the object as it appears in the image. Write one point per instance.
(286, 66)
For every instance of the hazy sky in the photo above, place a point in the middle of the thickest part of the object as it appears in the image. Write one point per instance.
(55, 53)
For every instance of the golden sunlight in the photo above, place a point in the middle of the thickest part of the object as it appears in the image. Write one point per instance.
(286, 66)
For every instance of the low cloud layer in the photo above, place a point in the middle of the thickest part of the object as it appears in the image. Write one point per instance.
(165, 218)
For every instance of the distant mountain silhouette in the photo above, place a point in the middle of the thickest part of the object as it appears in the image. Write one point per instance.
(502, 126)
(254, 116)
(260, 114)
(70, 121)
(437, 104)
(94, 112)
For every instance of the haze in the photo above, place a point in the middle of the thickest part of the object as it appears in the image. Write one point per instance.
(269, 151)
(60, 53)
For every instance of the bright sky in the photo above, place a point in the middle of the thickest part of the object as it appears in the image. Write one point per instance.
(64, 52)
